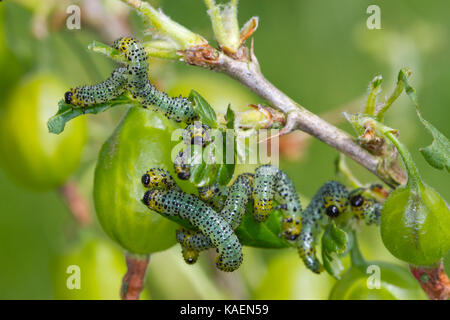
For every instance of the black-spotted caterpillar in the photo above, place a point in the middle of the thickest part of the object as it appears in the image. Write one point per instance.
(217, 212)
(165, 198)
(133, 77)
(267, 184)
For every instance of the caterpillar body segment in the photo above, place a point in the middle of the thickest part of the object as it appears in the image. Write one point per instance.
(272, 183)
(102, 92)
(196, 134)
(214, 195)
(181, 166)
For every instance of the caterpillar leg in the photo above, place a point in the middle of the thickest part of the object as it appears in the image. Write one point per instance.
(328, 203)
(102, 92)
(202, 217)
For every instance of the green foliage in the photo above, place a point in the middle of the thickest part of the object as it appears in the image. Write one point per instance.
(205, 112)
(438, 153)
(67, 112)
(262, 234)
(334, 244)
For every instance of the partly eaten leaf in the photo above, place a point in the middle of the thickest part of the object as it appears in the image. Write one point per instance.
(67, 112)
(203, 109)
(438, 153)
(334, 243)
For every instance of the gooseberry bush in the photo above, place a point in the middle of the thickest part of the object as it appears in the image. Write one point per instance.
(414, 220)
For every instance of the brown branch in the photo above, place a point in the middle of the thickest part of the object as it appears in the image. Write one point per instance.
(244, 67)
(433, 281)
(133, 280)
(77, 204)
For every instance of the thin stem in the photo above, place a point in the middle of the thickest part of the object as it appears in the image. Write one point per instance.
(413, 173)
(134, 279)
(433, 281)
(356, 256)
(243, 66)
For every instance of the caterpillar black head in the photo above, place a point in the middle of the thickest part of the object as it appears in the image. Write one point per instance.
(335, 199)
(68, 97)
(332, 211)
(147, 197)
(365, 207)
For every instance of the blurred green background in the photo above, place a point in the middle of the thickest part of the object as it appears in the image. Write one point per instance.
(318, 52)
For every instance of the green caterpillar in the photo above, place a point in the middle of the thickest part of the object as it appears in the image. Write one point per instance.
(268, 183)
(179, 109)
(193, 134)
(165, 198)
(100, 93)
(134, 77)
(229, 205)
(328, 203)
(232, 211)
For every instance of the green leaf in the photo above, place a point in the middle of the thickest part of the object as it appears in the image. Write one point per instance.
(334, 243)
(226, 170)
(114, 54)
(67, 112)
(262, 234)
(230, 117)
(203, 109)
(202, 173)
(438, 153)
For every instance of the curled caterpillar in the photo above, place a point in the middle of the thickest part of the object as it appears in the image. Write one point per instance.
(165, 198)
(193, 134)
(181, 165)
(179, 109)
(230, 204)
(328, 203)
(105, 91)
(233, 209)
(204, 218)
(134, 77)
(233, 206)
(196, 134)
(271, 184)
